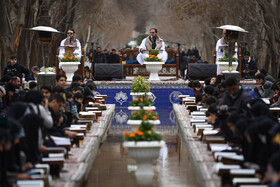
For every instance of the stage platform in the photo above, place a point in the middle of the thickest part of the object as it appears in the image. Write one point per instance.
(165, 94)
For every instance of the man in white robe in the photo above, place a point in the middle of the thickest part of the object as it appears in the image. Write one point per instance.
(220, 50)
(70, 41)
(152, 42)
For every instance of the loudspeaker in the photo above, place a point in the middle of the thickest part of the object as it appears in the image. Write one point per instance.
(201, 71)
(105, 71)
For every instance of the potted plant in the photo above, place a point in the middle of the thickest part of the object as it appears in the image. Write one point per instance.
(137, 117)
(139, 87)
(144, 147)
(153, 64)
(224, 63)
(69, 65)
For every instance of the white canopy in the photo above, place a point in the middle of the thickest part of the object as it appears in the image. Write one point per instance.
(44, 28)
(232, 28)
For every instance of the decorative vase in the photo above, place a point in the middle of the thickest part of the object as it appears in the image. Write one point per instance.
(135, 124)
(154, 68)
(144, 153)
(224, 66)
(136, 94)
(69, 68)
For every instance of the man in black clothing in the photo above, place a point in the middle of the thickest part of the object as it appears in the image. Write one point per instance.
(99, 57)
(248, 67)
(106, 53)
(235, 98)
(15, 69)
(55, 104)
(113, 57)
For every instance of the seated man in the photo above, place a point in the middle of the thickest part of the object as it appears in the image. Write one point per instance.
(152, 42)
(264, 88)
(248, 67)
(70, 41)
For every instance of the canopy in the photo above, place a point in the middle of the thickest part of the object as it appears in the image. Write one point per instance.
(232, 28)
(44, 28)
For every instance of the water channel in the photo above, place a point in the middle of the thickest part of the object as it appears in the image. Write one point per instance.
(113, 167)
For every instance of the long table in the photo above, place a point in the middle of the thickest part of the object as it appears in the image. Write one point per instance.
(201, 160)
(79, 164)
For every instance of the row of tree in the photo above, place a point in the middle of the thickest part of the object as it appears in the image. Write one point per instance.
(110, 23)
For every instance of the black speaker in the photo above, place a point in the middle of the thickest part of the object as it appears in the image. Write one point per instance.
(105, 71)
(201, 71)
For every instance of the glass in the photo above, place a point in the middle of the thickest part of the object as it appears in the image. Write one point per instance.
(70, 33)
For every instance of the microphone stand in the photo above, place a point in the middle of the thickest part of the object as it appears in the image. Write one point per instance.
(91, 43)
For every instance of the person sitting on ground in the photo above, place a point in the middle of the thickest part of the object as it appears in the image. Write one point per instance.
(16, 81)
(61, 80)
(5, 80)
(212, 118)
(113, 57)
(78, 103)
(77, 89)
(58, 90)
(199, 99)
(209, 90)
(34, 72)
(267, 76)
(32, 85)
(264, 88)
(248, 67)
(16, 69)
(92, 86)
(275, 170)
(235, 97)
(46, 91)
(197, 87)
(11, 95)
(56, 102)
(275, 100)
(209, 101)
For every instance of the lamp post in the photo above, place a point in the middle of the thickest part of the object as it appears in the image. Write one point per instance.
(45, 37)
(231, 37)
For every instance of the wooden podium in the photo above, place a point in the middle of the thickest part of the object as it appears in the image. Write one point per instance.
(69, 49)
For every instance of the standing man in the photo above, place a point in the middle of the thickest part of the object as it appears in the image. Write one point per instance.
(70, 41)
(15, 69)
(114, 57)
(99, 57)
(153, 41)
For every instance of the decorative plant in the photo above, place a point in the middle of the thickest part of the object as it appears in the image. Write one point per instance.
(144, 115)
(226, 59)
(142, 101)
(69, 58)
(140, 85)
(153, 56)
(144, 133)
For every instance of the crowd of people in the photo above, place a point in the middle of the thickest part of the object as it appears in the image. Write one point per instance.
(247, 123)
(30, 116)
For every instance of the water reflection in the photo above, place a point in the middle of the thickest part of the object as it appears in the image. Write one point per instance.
(113, 167)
